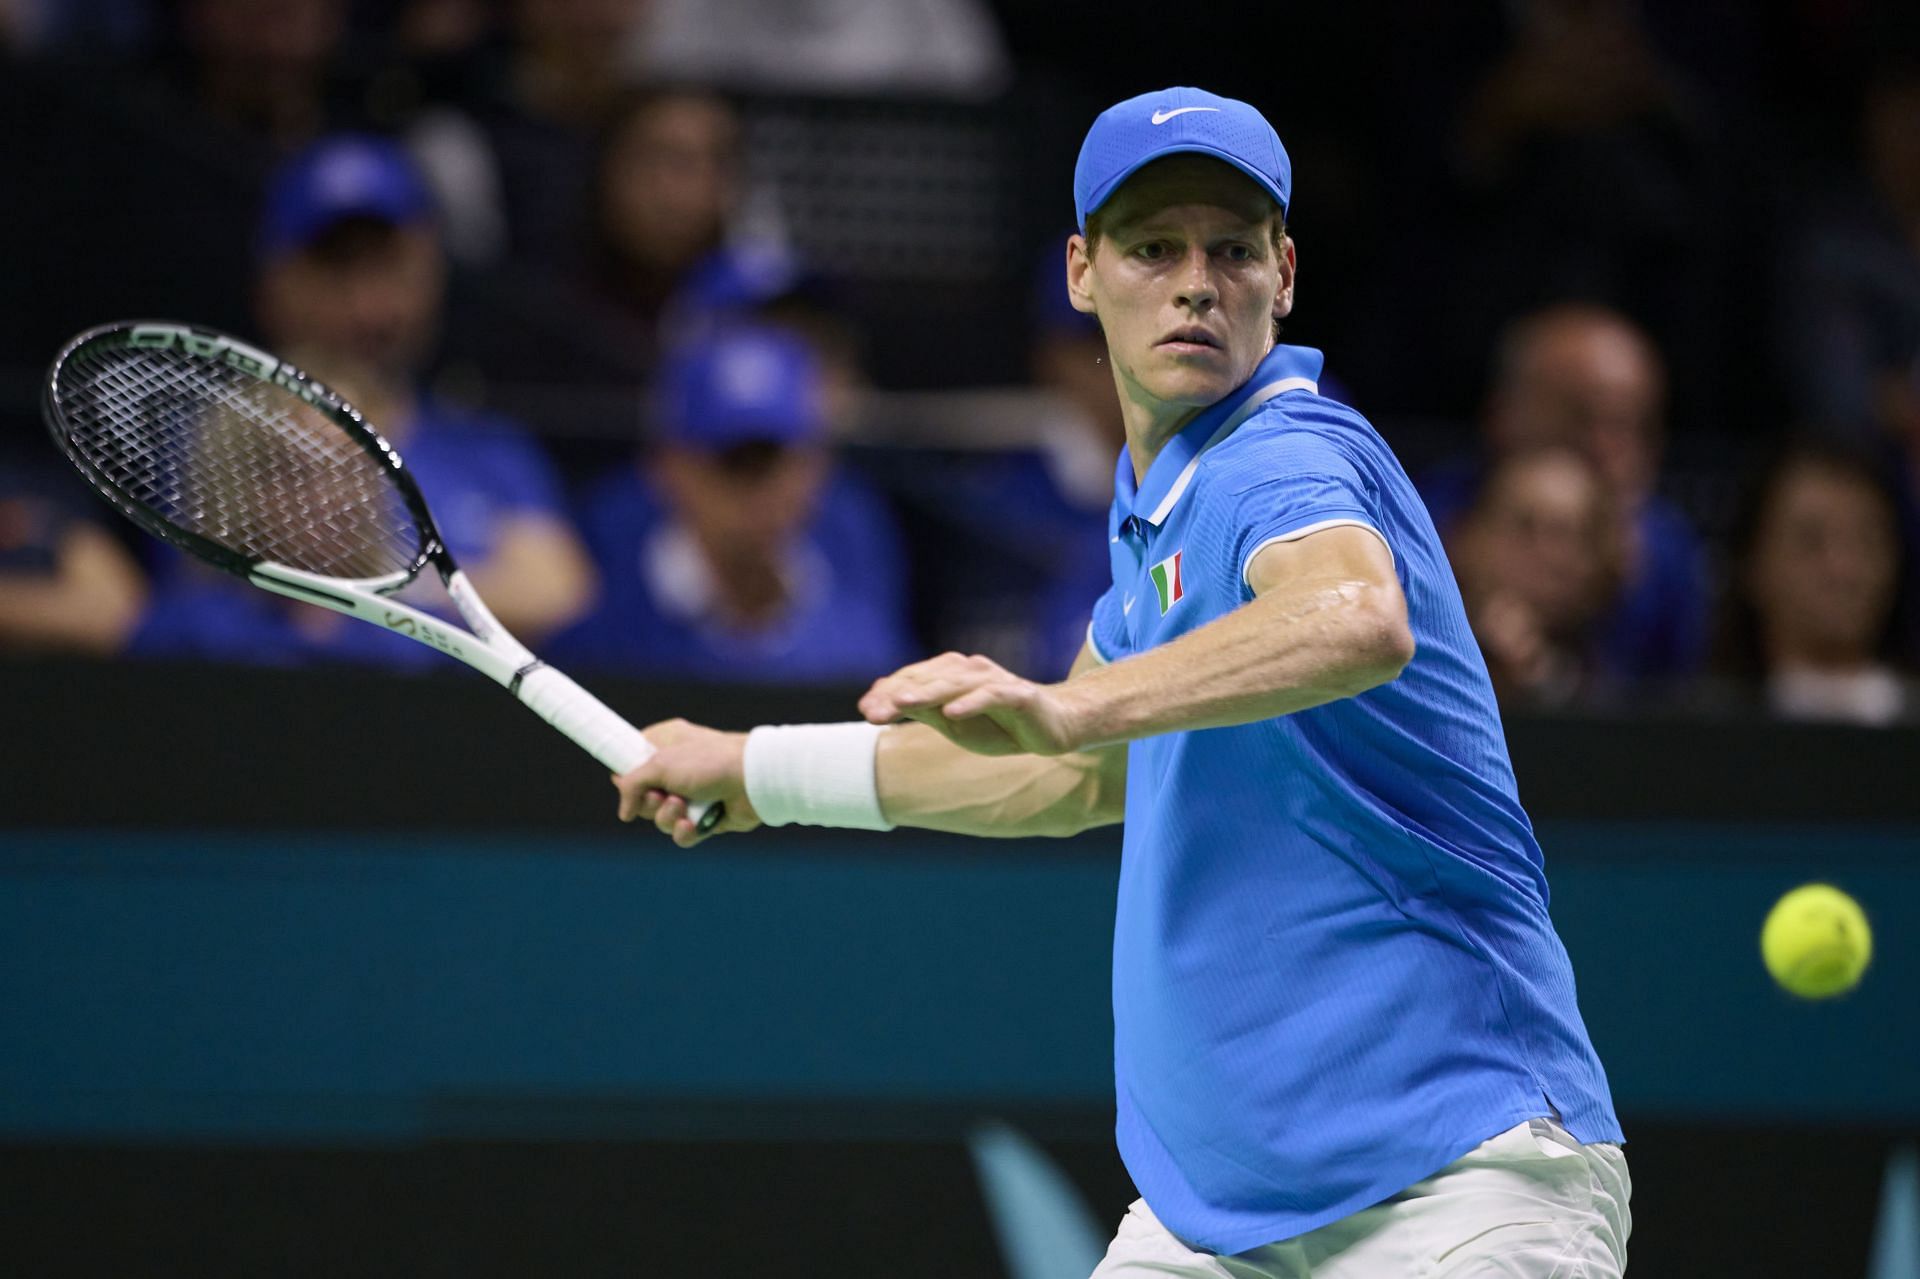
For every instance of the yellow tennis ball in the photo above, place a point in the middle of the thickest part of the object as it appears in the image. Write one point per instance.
(1816, 942)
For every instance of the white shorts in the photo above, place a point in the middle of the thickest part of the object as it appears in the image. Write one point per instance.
(1531, 1203)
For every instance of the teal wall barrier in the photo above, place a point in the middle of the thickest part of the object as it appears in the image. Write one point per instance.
(290, 988)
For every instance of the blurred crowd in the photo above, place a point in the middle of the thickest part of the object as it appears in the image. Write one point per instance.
(1646, 334)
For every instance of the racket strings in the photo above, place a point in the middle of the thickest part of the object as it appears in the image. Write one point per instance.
(222, 455)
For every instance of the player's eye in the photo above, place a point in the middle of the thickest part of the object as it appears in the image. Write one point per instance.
(1152, 250)
(1240, 253)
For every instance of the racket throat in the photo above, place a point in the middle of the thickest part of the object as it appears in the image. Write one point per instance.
(302, 590)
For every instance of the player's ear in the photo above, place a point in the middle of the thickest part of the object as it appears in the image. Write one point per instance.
(1079, 262)
(1283, 293)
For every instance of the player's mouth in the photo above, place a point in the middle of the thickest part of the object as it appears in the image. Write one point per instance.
(1191, 340)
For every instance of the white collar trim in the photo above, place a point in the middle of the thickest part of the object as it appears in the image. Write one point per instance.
(1227, 428)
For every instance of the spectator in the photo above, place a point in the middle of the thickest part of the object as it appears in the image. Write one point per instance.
(350, 286)
(435, 30)
(651, 250)
(829, 47)
(265, 67)
(1589, 170)
(1853, 345)
(664, 196)
(762, 286)
(1040, 510)
(1537, 555)
(186, 138)
(66, 584)
(1810, 624)
(734, 549)
(1853, 293)
(513, 163)
(1584, 377)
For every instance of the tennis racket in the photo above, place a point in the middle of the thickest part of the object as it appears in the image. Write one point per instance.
(242, 460)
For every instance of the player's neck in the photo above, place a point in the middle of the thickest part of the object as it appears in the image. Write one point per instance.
(1152, 422)
(1149, 427)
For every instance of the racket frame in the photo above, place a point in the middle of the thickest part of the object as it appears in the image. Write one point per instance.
(487, 646)
(211, 344)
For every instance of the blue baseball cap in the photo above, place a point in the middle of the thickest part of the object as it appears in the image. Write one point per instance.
(741, 385)
(343, 176)
(738, 277)
(1172, 122)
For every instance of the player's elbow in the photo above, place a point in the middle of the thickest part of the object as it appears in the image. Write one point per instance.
(1382, 640)
(1398, 648)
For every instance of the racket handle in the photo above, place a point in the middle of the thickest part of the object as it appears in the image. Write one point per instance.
(598, 730)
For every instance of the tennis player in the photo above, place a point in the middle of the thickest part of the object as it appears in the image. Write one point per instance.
(1345, 1034)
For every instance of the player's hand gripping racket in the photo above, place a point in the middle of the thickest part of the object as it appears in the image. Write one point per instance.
(244, 461)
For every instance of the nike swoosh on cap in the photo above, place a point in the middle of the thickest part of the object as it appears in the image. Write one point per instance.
(1161, 117)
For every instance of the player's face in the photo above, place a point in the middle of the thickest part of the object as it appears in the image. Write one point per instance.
(1186, 282)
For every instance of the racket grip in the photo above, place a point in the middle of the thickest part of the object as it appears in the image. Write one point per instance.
(598, 730)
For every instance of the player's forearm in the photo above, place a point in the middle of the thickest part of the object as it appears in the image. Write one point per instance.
(1287, 650)
(927, 781)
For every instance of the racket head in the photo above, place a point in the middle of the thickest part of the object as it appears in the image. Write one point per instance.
(235, 456)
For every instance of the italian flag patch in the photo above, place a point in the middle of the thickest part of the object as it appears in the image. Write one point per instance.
(1166, 580)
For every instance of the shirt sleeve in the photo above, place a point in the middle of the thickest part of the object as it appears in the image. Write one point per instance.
(1311, 485)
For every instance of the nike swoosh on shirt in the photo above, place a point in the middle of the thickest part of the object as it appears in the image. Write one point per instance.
(1161, 117)
(1126, 606)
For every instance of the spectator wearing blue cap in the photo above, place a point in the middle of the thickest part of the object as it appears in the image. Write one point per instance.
(1037, 513)
(1346, 1039)
(349, 286)
(734, 549)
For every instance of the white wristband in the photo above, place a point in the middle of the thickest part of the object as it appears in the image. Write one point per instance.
(816, 775)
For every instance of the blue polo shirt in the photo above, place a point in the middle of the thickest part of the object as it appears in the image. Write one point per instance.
(1334, 972)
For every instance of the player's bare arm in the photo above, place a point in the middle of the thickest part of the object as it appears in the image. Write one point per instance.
(923, 779)
(929, 781)
(1327, 621)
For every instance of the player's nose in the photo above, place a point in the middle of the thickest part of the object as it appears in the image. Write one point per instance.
(1198, 289)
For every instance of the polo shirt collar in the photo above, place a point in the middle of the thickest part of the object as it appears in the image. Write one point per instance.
(1285, 368)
